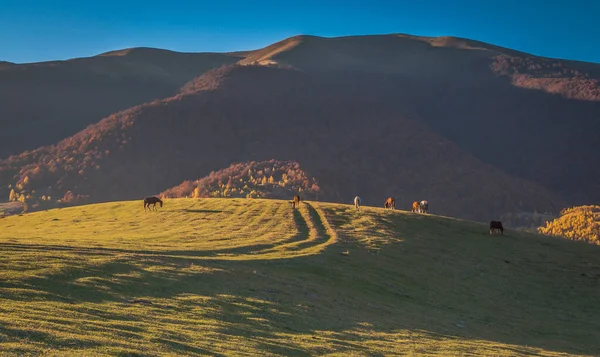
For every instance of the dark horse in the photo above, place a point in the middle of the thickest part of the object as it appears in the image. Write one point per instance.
(152, 201)
(496, 226)
(296, 201)
(390, 203)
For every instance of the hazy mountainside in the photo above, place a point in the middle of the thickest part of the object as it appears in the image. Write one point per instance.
(527, 115)
(478, 130)
(577, 223)
(42, 103)
(263, 179)
(350, 130)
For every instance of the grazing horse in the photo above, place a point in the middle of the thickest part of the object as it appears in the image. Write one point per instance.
(296, 201)
(357, 202)
(152, 201)
(423, 206)
(390, 203)
(415, 206)
(496, 226)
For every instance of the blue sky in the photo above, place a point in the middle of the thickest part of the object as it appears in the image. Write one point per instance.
(39, 30)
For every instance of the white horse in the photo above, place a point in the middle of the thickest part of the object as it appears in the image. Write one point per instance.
(357, 202)
(423, 207)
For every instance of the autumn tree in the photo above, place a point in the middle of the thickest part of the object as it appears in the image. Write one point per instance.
(196, 193)
(12, 196)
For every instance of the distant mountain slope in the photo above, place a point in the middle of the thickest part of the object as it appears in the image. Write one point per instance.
(478, 130)
(430, 56)
(350, 130)
(43, 103)
(255, 179)
(527, 115)
(530, 116)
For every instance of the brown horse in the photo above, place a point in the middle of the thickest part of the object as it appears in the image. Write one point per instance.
(296, 201)
(496, 226)
(153, 200)
(415, 206)
(390, 203)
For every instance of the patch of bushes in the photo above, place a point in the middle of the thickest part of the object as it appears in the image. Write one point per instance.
(254, 179)
(580, 223)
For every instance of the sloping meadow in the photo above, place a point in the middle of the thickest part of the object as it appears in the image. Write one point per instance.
(256, 277)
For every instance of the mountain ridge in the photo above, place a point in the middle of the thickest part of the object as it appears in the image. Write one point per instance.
(438, 113)
(49, 101)
(112, 142)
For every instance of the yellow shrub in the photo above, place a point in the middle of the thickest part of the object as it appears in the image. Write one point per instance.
(576, 223)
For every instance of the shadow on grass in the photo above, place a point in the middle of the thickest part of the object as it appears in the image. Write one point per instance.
(183, 347)
(43, 338)
(204, 211)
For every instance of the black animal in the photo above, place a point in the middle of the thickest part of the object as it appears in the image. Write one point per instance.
(496, 226)
(152, 201)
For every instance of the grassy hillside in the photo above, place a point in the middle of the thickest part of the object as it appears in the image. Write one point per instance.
(253, 277)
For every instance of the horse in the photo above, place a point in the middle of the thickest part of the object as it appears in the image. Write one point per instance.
(424, 206)
(357, 202)
(415, 206)
(153, 200)
(390, 203)
(496, 226)
(296, 201)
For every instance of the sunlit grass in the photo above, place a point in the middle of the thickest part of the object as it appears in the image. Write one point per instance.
(254, 277)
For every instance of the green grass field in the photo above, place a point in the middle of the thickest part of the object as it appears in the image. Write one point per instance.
(251, 277)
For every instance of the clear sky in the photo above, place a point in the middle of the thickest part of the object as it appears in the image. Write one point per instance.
(39, 30)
